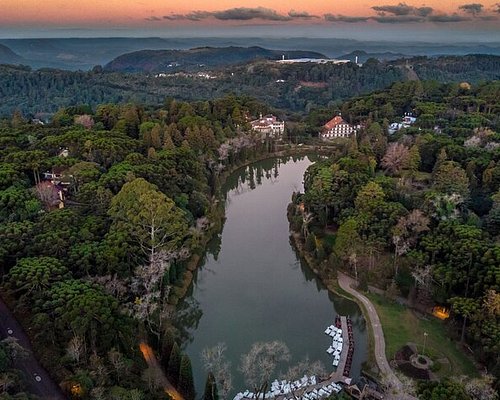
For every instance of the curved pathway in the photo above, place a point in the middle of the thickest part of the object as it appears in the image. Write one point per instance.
(396, 387)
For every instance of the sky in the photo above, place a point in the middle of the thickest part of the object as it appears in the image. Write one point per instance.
(314, 18)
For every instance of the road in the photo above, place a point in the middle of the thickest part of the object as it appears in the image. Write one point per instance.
(45, 388)
(396, 387)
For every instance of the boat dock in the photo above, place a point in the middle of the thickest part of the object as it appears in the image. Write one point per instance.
(343, 371)
(311, 388)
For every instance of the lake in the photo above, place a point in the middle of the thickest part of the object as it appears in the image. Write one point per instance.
(252, 286)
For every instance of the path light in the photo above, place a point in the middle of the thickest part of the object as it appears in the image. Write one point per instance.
(425, 339)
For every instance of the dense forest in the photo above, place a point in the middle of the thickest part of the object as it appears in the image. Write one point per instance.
(104, 209)
(293, 87)
(101, 214)
(417, 213)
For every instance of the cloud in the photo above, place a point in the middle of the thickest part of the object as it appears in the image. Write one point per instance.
(399, 9)
(400, 13)
(245, 14)
(236, 14)
(397, 19)
(344, 18)
(448, 18)
(192, 16)
(424, 11)
(301, 15)
(472, 8)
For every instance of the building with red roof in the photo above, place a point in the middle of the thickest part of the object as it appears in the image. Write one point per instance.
(336, 128)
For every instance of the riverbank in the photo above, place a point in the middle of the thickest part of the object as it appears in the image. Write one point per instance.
(392, 327)
(329, 278)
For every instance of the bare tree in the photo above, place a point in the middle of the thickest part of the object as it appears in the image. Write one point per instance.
(150, 303)
(305, 367)
(48, 194)
(112, 285)
(406, 231)
(259, 364)
(84, 120)
(76, 348)
(395, 158)
(214, 360)
(480, 388)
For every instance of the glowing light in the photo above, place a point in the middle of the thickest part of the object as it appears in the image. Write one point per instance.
(441, 312)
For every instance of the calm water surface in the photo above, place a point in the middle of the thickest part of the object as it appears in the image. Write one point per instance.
(253, 286)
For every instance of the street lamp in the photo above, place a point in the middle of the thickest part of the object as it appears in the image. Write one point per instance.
(425, 339)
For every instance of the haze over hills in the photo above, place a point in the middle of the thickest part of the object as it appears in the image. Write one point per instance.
(85, 53)
(7, 56)
(171, 60)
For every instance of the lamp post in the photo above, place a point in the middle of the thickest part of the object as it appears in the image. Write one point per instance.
(425, 339)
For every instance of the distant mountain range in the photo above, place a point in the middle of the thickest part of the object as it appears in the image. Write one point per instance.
(201, 57)
(85, 53)
(7, 56)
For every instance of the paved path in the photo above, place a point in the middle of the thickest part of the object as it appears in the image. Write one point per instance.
(386, 371)
(46, 388)
(153, 363)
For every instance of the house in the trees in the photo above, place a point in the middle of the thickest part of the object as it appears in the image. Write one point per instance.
(269, 125)
(407, 121)
(58, 176)
(337, 128)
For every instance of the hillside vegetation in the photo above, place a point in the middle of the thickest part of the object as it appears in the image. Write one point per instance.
(194, 59)
(292, 87)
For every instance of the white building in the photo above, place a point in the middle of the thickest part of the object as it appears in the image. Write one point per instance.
(269, 125)
(407, 121)
(336, 128)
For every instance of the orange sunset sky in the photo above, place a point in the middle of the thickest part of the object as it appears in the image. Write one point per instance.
(167, 12)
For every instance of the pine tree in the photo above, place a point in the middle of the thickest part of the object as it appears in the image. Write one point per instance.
(166, 348)
(211, 388)
(185, 381)
(174, 363)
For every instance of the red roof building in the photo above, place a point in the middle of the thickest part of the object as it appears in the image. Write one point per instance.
(337, 127)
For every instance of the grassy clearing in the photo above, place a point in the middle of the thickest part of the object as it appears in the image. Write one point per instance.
(401, 325)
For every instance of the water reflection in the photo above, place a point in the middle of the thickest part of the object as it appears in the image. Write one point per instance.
(253, 287)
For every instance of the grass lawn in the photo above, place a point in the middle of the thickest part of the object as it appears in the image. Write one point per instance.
(401, 325)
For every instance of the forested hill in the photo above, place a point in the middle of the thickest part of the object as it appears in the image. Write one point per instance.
(174, 60)
(293, 87)
(7, 56)
(472, 67)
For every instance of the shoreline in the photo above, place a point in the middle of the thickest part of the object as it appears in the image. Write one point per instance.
(332, 285)
(218, 209)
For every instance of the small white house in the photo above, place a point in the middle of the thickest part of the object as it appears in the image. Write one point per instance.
(406, 121)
